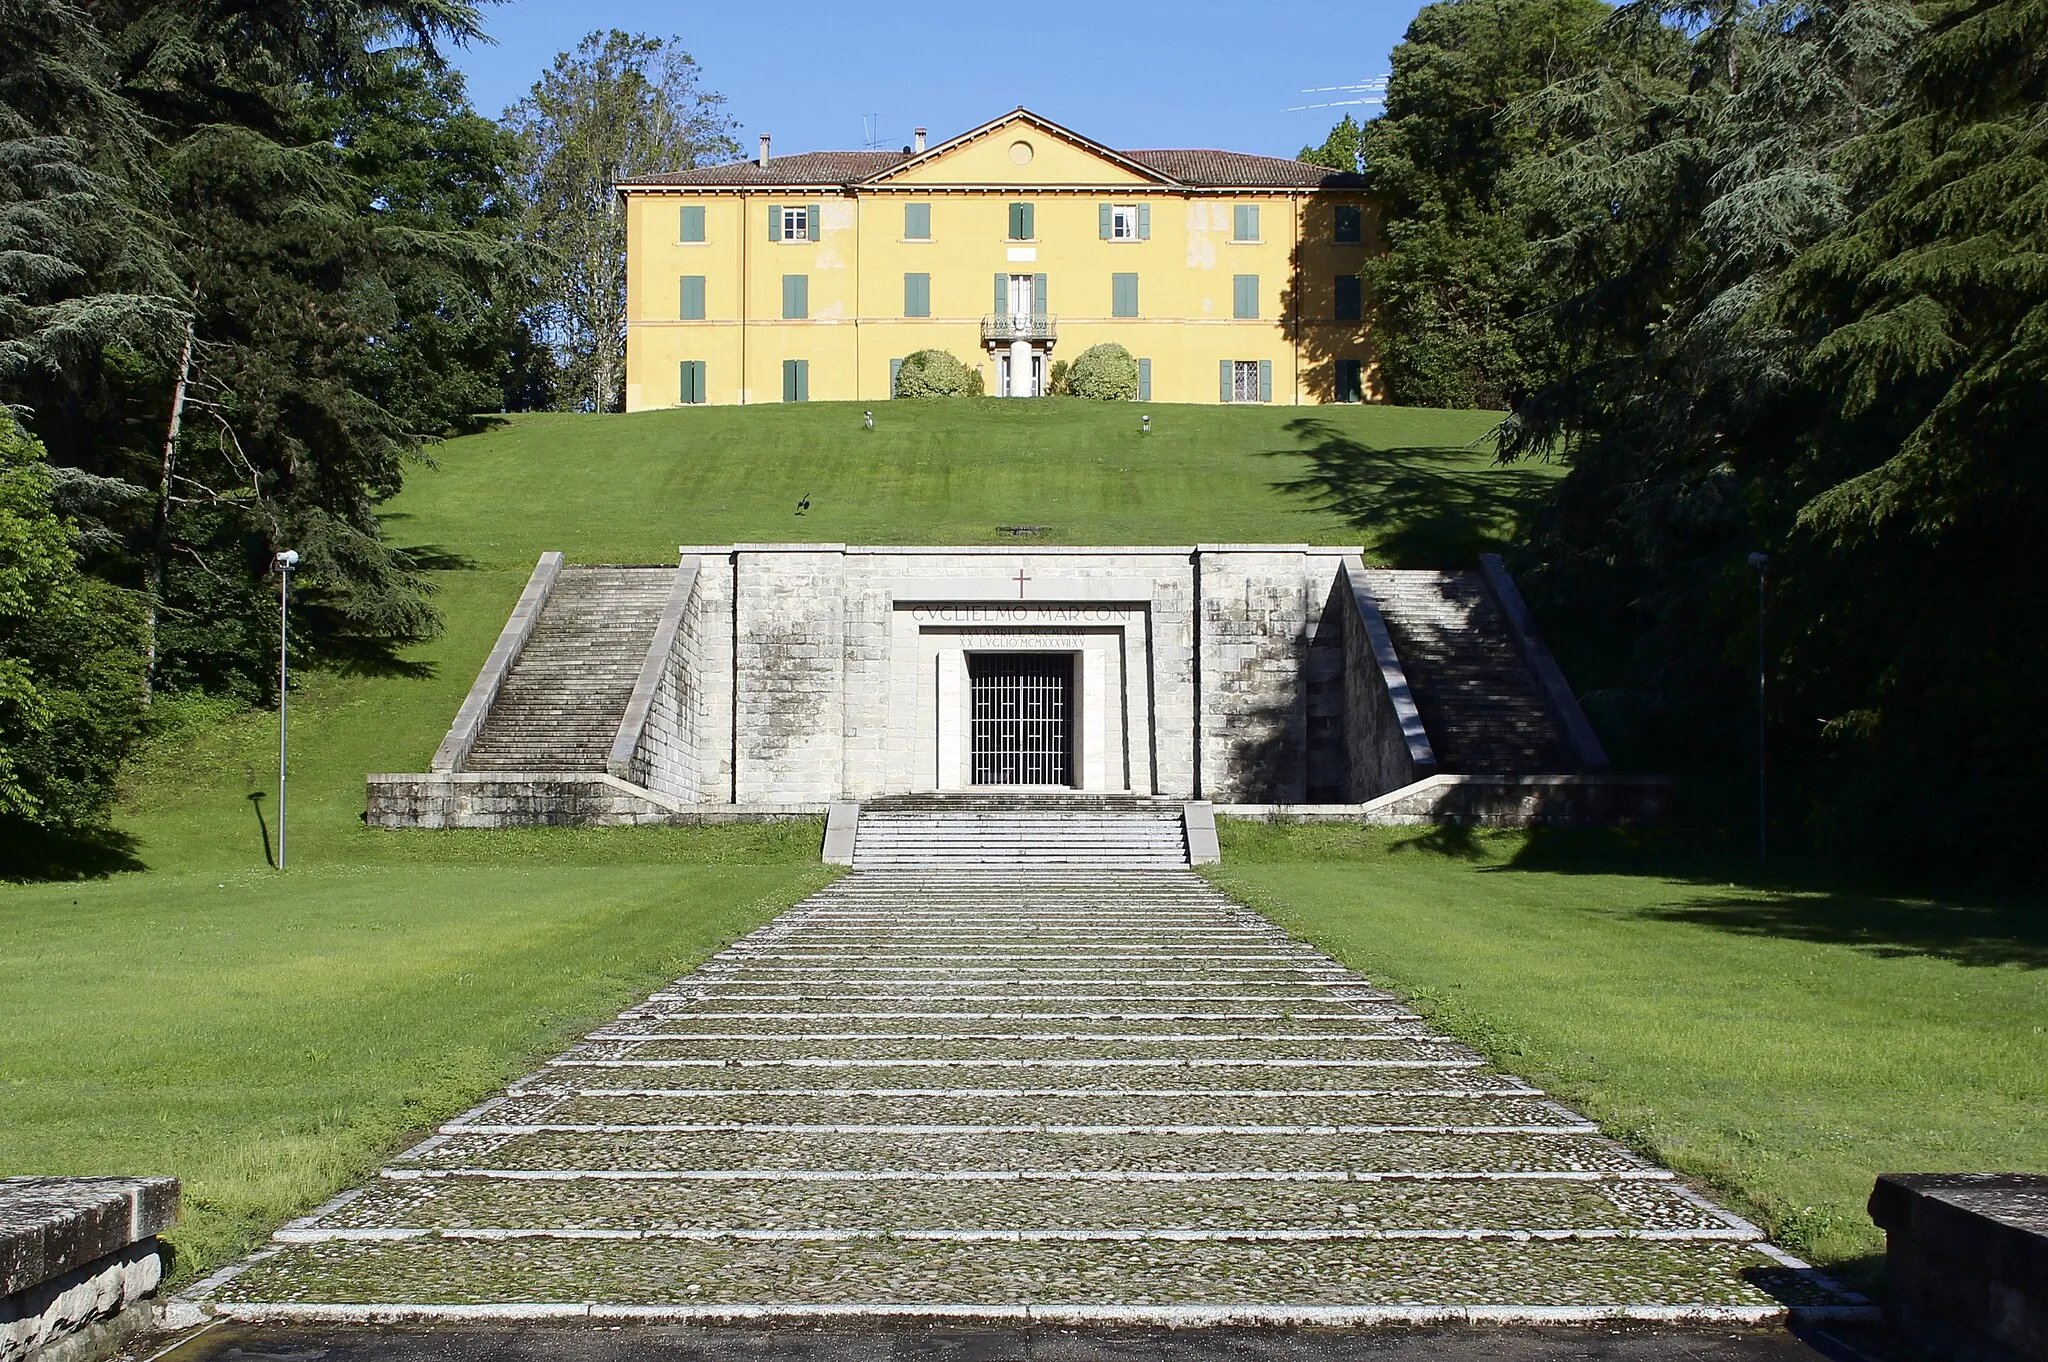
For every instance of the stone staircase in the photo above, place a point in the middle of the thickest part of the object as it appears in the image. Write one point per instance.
(560, 706)
(1020, 830)
(1084, 1097)
(1479, 700)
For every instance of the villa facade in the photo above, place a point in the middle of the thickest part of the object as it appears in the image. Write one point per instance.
(1231, 277)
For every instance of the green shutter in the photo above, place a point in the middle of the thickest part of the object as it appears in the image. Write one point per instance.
(774, 222)
(917, 222)
(1225, 365)
(1144, 380)
(1247, 225)
(796, 297)
(1106, 220)
(1265, 380)
(1039, 305)
(1245, 297)
(1030, 222)
(917, 295)
(692, 226)
(692, 309)
(1002, 294)
(895, 370)
(803, 380)
(814, 221)
(1144, 222)
(1021, 222)
(1123, 295)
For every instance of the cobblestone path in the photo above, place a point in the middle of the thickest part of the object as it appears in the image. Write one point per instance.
(1091, 1096)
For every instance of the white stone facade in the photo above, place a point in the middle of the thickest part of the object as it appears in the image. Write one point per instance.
(812, 672)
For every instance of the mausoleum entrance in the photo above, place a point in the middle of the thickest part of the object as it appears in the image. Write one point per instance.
(1020, 733)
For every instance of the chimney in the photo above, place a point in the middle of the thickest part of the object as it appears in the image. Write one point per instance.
(917, 142)
(764, 151)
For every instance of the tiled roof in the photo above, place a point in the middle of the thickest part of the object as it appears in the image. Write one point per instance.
(1198, 168)
(1207, 169)
(809, 167)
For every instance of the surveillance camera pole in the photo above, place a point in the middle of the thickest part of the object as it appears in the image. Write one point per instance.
(1761, 562)
(286, 561)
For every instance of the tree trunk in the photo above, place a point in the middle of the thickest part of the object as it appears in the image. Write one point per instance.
(160, 541)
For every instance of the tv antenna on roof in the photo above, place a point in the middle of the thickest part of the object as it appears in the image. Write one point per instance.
(1368, 93)
(871, 131)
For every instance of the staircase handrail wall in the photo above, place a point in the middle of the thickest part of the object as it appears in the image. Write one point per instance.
(1391, 702)
(483, 693)
(627, 761)
(1557, 692)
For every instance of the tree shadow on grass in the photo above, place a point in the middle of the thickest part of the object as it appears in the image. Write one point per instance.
(1798, 903)
(32, 855)
(342, 649)
(1418, 506)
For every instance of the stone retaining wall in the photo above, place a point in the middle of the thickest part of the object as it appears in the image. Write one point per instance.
(79, 1260)
(514, 799)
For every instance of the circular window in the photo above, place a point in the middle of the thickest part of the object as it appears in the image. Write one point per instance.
(1020, 152)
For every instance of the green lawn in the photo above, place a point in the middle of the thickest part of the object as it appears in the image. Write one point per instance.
(1784, 1043)
(270, 1038)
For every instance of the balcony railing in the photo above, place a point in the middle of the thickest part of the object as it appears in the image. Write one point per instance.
(1002, 330)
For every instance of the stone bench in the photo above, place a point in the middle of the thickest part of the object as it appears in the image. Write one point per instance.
(1966, 1261)
(79, 1259)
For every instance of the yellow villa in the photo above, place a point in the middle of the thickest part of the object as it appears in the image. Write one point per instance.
(1231, 277)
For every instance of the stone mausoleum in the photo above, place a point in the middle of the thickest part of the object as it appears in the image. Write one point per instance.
(764, 680)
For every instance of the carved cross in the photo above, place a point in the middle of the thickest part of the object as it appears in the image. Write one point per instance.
(1020, 579)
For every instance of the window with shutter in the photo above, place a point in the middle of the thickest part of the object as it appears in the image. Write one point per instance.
(774, 222)
(1144, 222)
(1123, 295)
(796, 297)
(1350, 298)
(1039, 306)
(1242, 379)
(1228, 374)
(693, 298)
(917, 222)
(692, 228)
(1106, 220)
(692, 388)
(1265, 380)
(917, 295)
(796, 380)
(1247, 223)
(1244, 303)
(814, 223)
(1144, 380)
(1350, 225)
(1021, 222)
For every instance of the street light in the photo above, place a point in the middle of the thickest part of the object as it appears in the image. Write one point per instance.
(287, 559)
(1760, 561)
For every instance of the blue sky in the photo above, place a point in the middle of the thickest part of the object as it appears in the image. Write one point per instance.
(1197, 73)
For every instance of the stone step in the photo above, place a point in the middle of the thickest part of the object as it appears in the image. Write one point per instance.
(954, 1074)
(1037, 1105)
(1088, 1150)
(472, 1203)
(860, 1276)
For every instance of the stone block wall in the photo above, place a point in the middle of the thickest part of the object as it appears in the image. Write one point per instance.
(670, 758)
(79, 1260)
(790, 708)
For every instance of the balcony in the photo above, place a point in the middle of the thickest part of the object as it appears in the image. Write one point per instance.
(1004, 330)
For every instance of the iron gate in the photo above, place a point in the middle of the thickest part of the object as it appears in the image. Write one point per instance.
(1020, 717)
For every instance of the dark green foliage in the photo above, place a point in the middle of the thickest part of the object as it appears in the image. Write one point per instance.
(70, 660)
(1106, 373)
(336, 222)
(934, 373)
(1457, 314)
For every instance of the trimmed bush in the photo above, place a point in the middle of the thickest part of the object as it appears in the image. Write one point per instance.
(1106, 373)
(1056, 383)
(934, 373)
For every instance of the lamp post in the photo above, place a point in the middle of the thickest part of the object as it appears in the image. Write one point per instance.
(287, 559)
(1760, 561)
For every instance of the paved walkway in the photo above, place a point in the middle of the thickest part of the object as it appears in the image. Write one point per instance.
(1083, 1097)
